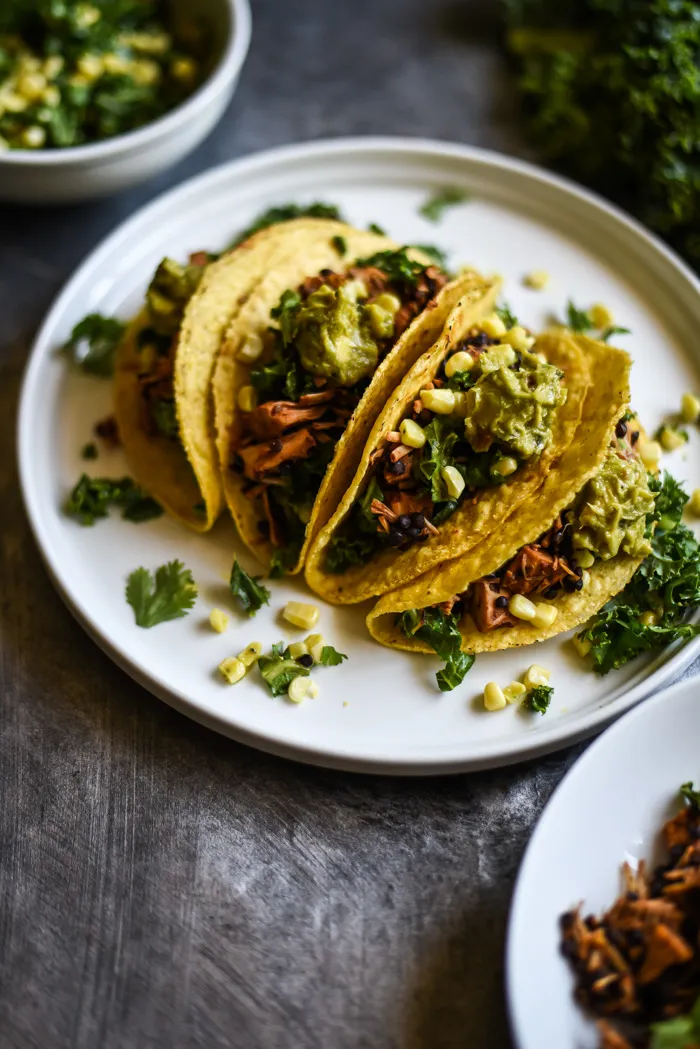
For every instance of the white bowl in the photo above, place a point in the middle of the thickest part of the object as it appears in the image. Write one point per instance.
(54, 176)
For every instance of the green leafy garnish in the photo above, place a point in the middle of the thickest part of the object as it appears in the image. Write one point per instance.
(285, 213)
(168, 595)
(375, 228)
(330, 657)
(436, 254)
(340, 244)
(680, 1032)
(401, 270)
(507, 315)
(667, 585)
(93, 343)
(613, 330)
(577, 320)
(691, 795)
(441, 632)
(539, 698)
(436, 205)
(251, 594)
(89, 451)
(279, 669)
(92, 498)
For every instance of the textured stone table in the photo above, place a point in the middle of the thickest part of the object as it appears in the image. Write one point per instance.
(164, 887)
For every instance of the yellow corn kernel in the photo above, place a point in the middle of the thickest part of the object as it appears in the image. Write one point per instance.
(251, 348)
(298, 648)
(505, 467)
(536, 675)
(33, 137)
(52, 66)
(694, 503)
(454, 482)
(537, 280)
(518, 338)
(671, 439)
(51, 96)
(441, 402)
(493, 326)
(90, 66)
(14, 103)
(156, 43)
(412, 434)
(300, 614)
(458, 362)
(585, 578)
(145, 71)
(544, 616)
(115, 64)
(314, 646)
(460, 409)
(582, 645)
(522, 608)
(650, 453)
(302, 688)
(232, 669)
(493, 696)
(250, 654)
(31, 86)
(601, 317)
(649, 618)
(86, 15)
(690, 408)
(219, 620)
(584, 558)
(247, 398)
(514, 691)
(184, 68)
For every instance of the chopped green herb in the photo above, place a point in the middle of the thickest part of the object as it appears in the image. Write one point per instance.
(168, 595)
(330, 657)
(401, 270)
(251, 594)
(93, 343)
(680, 1032)
(628, 416)
(340, 244)
(613, 330)
(441, 632)
(577, 320)
(539, 698)
(89, 450)
(374, 228)
(691, 795)
(507, 315)
(93, 496)
(279, 669)
(285, 213)
(436, 205)
(436, 254)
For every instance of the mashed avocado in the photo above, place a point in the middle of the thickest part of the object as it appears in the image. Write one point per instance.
(610, 515)
(513, 406)
(333, 338)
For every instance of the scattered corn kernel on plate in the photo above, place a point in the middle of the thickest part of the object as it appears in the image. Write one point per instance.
(379, 710)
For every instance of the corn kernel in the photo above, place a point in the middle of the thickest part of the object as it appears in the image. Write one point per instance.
(460, 409)
(584, 558)
(441, 402)
(247, 398)
(115, 64)
(582, 645)
(505, 467)
(458, 362)
(90, 66)
(51, 96)
(219, 620)
(184, 68)
(232, 669)
(302, 688)
(544, 616)
(250, 654)
(499, 356)
(86, 15)
(52, 66)
(514, 691)
(300, 614)
(454, 482)
(314, 646)
(694, 503)
(251, 348)
(650, 453)
(522, 608)
(493, 696)
(649, 618)
(298, 648)
(14, 103)
(690, 408)
(585, 578)
(518, 338)
(493, 326)
(145, 71)
(536, 675)
(31, 86)
(33, 137)
(412, 434)
(601, 317)
(147, 43)
(671, 439)
(537, 280)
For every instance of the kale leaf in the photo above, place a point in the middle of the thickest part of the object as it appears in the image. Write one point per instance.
(691, 795)
(168, 595)
(679, 1032)
(89, 451)
(539, 698)
(441, 632)
(93, 343)
(401, 270)
(251, 594)
(285, 213)
(375, 228)
(441, 436)
(92, 498)
(507, 315)
(340, 244)
(358, 538)
(436, 205)
(279, 669)
(436, 254)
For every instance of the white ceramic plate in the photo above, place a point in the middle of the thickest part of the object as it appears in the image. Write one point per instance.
(608, 809)
(381, 710)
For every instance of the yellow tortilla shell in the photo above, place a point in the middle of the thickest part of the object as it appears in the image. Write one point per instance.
(606, 400)
(472, 521)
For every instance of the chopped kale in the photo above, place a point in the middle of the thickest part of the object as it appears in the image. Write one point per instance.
(340, 244)
(92, 498)
(93, 343)
(507, 315)
(539, 698)
(279, 669)
(436, 254)
(141, 507)
(441, 632)
(358, 538)
(374, 228)
(250, 593)
(285, 213)
(164, 415)
(436, 205)
(679, 1032)
(441, 435)
(401, 270)
(168, 595)
(89, 451)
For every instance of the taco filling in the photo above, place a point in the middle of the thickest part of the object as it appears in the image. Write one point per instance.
(607, 518)
(489, 411)
(333, 332)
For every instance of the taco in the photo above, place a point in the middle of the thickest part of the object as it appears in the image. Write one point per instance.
(566, 552)
(306, 367)
(164, 366)
(468, 436)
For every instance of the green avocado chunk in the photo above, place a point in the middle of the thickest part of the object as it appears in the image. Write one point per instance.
(333, 337)
(611, 511)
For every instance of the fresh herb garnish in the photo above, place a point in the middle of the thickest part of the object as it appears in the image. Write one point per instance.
(539, 698)
(507, 315)
(613, 330)
(89, 451)
(375, 228)
(92, 497)
(285, 213)
(435, 206)
(577, 320)
(279, 669)
(441, 632)
(251, 594)
(330, 657)
(438, 256)
(691, 795)
(680, 1032)
(402, 271)
(340, 244)
(168, 595)
(93, 343)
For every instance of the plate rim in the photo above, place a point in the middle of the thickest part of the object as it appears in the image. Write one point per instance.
(496, 752)
(578, 769)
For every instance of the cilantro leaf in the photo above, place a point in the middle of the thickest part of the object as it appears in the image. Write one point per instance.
(401, 270)
(577, 320)
(93, 343)
(251, 594)
(375, 228)
(279, 669)
(89, 451)
(691, 795)
(613, 330)
(680, 1032)
(139, 507)
(92, 498)
(539, 698)
(340, 244)
(168, 595)
(330, 657)
(436, 254)
(435, 206)
(507, 315)
(441, 632)
(285, 213)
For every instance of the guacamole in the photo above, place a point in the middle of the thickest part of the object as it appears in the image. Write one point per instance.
(611, 511)
(513, 406)
(333, 336)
